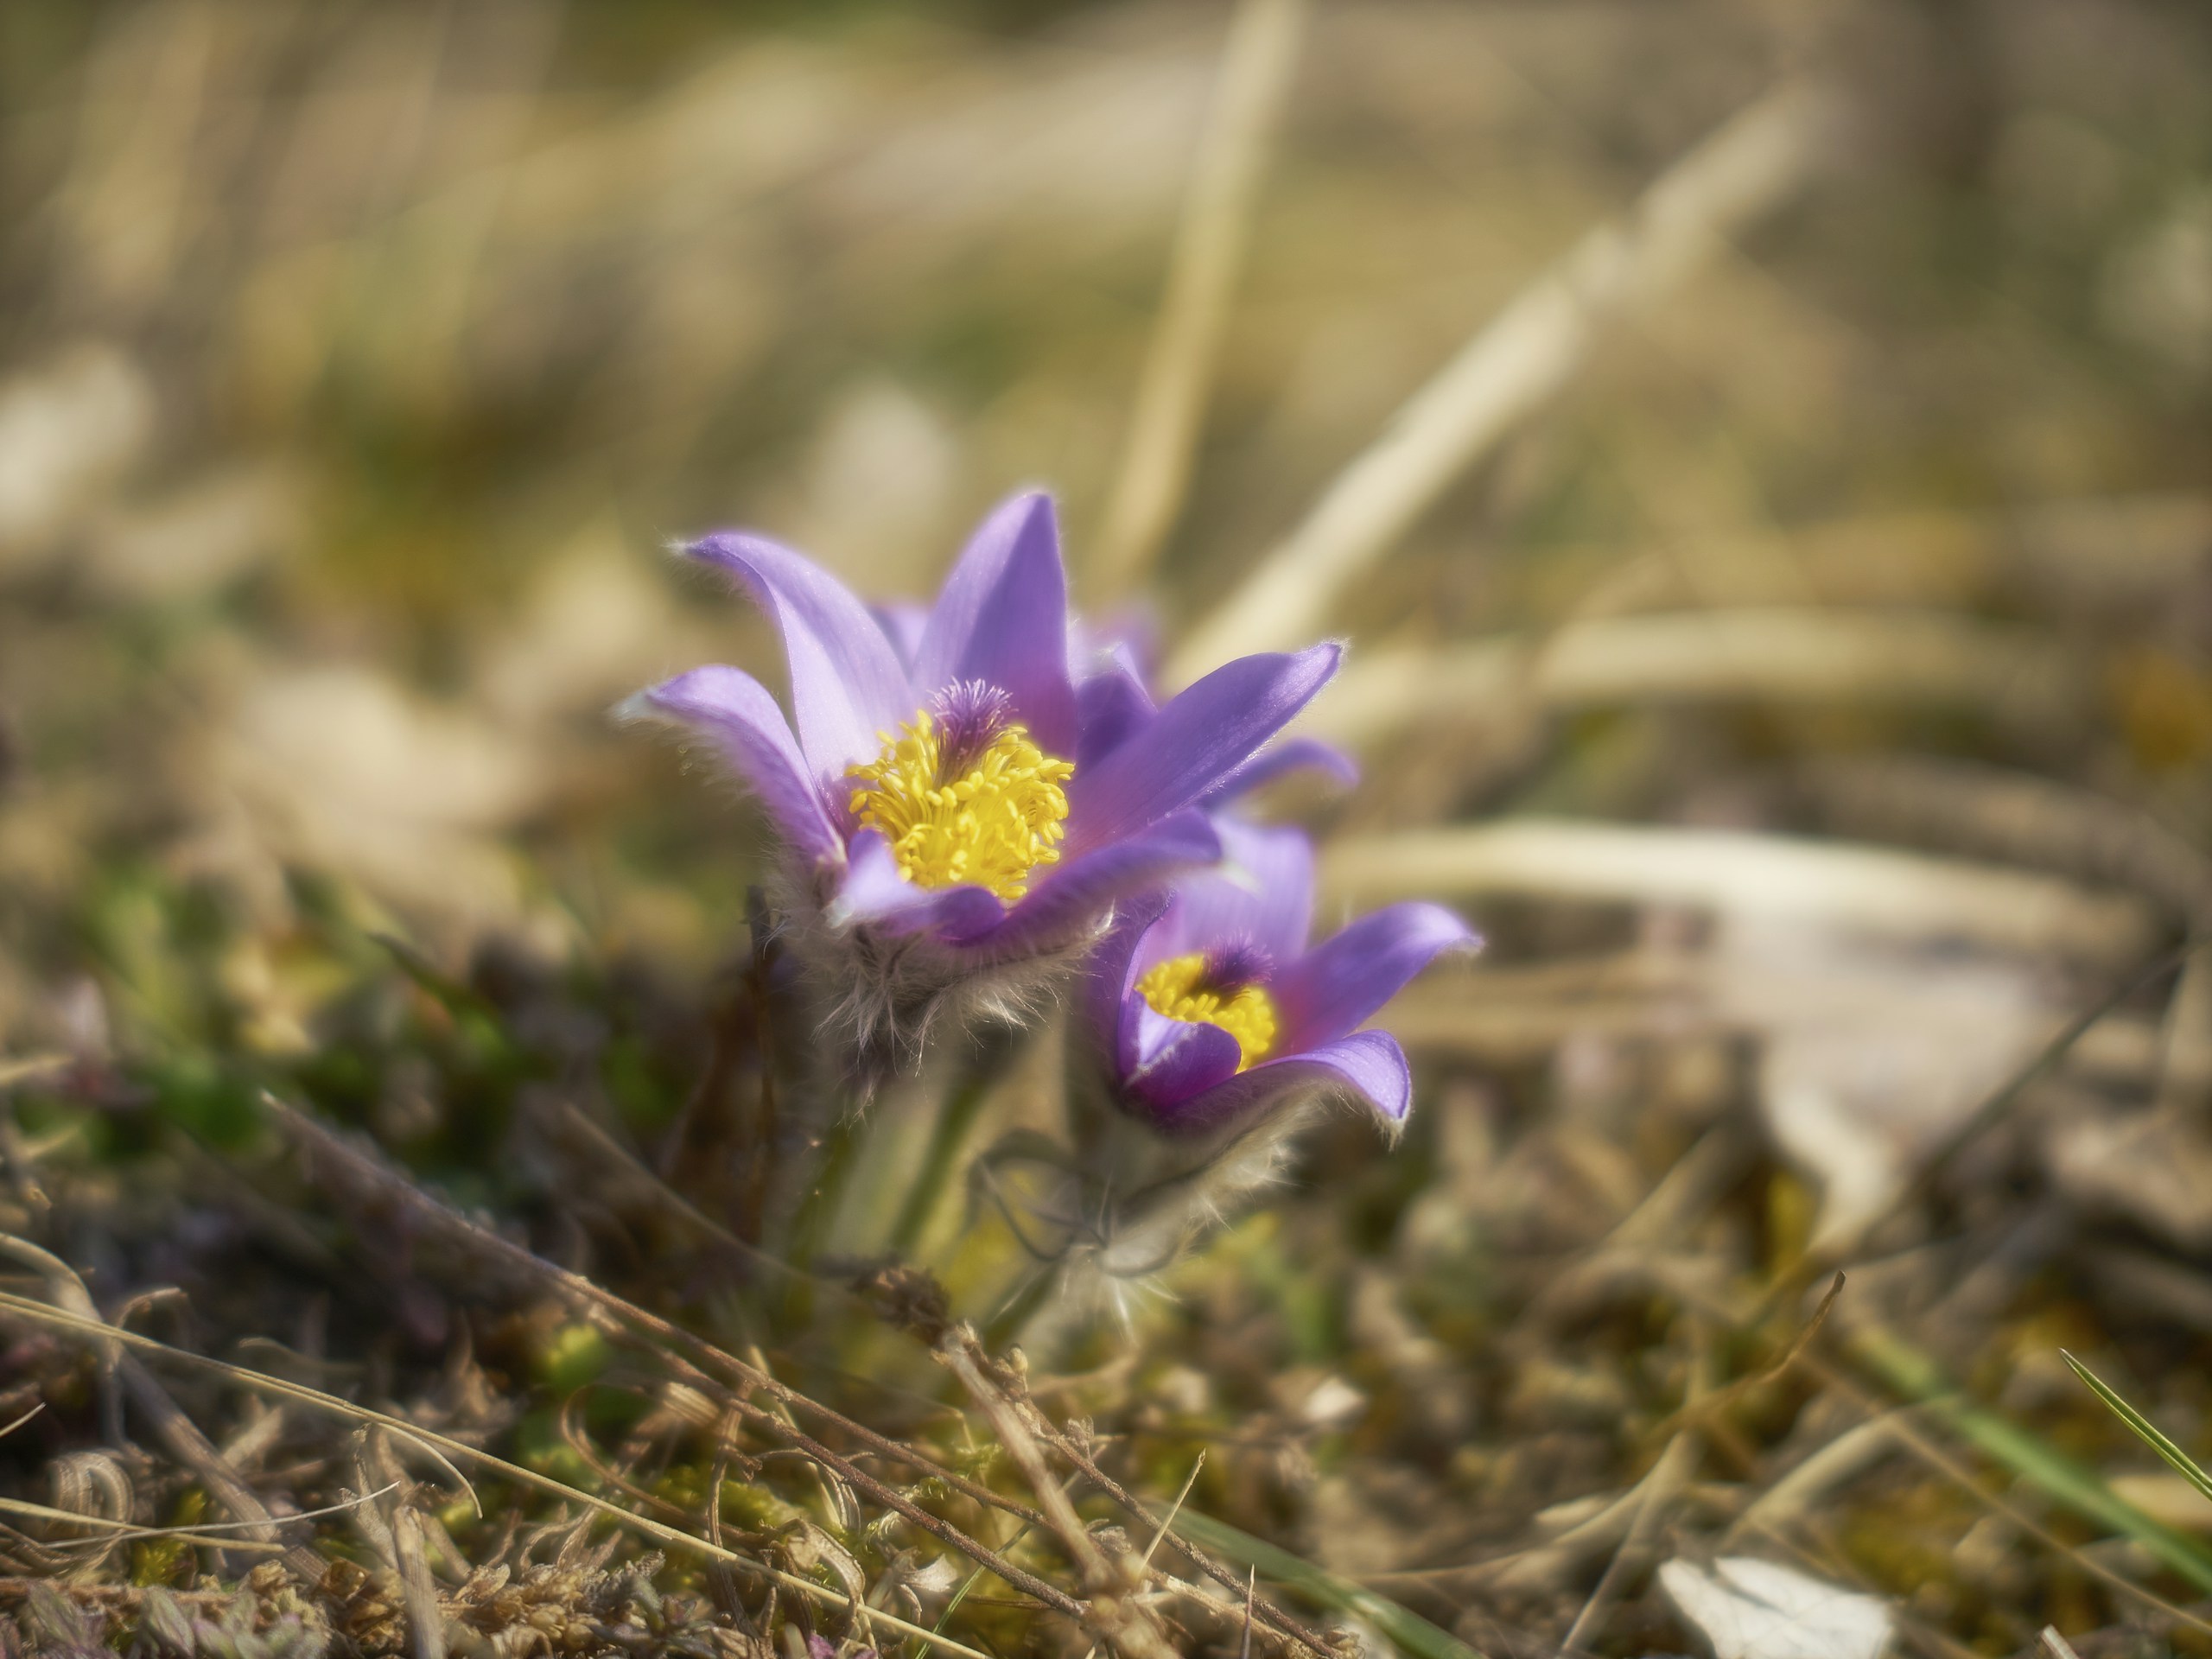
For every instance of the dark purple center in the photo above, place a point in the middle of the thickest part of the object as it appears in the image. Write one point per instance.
(1231, 967)
(969, 714)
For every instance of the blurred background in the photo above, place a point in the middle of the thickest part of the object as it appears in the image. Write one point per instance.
(1760, 453)
(360, 362)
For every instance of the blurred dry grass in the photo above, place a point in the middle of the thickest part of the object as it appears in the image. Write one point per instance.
(1781, 611)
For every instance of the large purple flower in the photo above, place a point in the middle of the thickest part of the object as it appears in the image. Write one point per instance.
(950, 804)
(1207, 1009)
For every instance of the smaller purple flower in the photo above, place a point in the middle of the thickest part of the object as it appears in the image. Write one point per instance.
(1208, 1011)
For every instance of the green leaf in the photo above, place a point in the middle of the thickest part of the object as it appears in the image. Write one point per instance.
(2144, 1429)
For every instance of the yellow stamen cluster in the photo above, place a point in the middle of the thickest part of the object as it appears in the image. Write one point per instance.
(1177, 988)
(991, 826)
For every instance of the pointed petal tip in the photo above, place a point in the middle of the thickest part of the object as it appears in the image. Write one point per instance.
(635, 709)
(847, 684)
(1454, 934)
(1290, 754)
(1333, 763)
(673, 699)
(717, 547)
(1334, 988)
(1326, 657)
(733, 712)
(1374, 1068)
(1001, 617)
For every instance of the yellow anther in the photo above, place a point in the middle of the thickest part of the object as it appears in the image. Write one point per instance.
(1177, 988)
(990, 826)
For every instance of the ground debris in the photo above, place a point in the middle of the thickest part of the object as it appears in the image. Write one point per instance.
(493, 1614)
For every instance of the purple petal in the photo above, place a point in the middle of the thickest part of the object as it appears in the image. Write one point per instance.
(1074, 895)
(1335, 987)
(1106, 974)
(1131, 632)
(734, 710)
(902, 621)
(1368, 1063)
(846, 685)
(1003, 618)
(1167, 1063)
(1193, 743)
(1110, 706)
(1291, 754)
(1262, 893)
(876, 890)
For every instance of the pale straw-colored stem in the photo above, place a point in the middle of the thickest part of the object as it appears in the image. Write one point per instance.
(2185, 1062)
(1257, 65)
(1514, 364)
(1870, 890)
(1772, 653)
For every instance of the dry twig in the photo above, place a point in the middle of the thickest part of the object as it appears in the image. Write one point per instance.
(1257, 65)
(1514, 364)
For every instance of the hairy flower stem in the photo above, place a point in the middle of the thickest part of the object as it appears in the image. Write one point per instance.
(955, 1118)
(1012, 1317)
(817, 1210)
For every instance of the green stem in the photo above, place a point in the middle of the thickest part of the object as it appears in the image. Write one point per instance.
(1013, 1318)
(818, 1211)
(955, 1118)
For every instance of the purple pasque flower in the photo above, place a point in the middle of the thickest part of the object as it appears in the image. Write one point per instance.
(949, 816)
(1208, 1011)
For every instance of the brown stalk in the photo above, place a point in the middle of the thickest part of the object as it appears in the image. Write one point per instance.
(1130, 1625)
(1270, 1615)
(444, 1448)
(177, 1432)
(1282, 1623)
(398, 1527)
(598, 1300)
(1807, 1358)
(319, 1140)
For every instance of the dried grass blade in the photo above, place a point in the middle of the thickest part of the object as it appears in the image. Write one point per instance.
(28, 1066)
(1773, 653)
(1872, 889)
(496, 1254)
(1065, 1447)
(1257, 65)
(430, 1439)
(1522, 356)
(350, 1164)
(178, 1432)
(196, 1530)
(1181, 1497)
